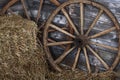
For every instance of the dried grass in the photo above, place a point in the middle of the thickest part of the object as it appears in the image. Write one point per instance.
(80, 75)
(67, 75)
(20, 56)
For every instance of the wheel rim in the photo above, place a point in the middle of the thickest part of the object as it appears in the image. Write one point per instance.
(80, 37)
(12, 2)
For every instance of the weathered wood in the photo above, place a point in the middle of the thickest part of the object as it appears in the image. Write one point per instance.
(76, 59)
(104, 46)
(4, 9)
(58, 60)
(61, 30)
(99, 58)
(39, 10)
(25, 9)
(55, 2)
(94, 22)
(87, 60)
(59, 43)
(66, 15)
(82, 18)
(52, 30)
(50, 40)
(70, 21)
(102, 33)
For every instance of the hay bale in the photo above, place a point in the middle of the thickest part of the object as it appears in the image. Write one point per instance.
(108, 75)
(67, 75)
(20, 56)
(80, 75)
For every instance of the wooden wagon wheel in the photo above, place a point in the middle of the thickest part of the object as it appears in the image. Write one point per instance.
(12, 2)
(81, 41)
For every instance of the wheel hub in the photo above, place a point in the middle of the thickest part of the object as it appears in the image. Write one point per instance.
(81, 41)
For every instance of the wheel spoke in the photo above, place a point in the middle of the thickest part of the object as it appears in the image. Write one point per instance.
(39, 10)
(50, 40)
(63, 31)
(87, 60)
(25, 9)
(55, 2)
(94, 22)
(76, 59)
(103, 32)
(59, 43)
(81, 17)
(96, 55)
(104, 46)
(52, 30)
(70, 21)
(63, 56)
